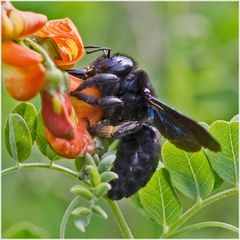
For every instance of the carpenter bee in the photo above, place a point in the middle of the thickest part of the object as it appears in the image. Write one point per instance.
(134, 114)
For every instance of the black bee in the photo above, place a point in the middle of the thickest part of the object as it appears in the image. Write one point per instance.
(134, 114)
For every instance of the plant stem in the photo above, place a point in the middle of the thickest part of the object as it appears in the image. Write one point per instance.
(66, 216)
(48, 61)
(53, 166)
(197, 226)
(115, 208)
(120, 219)
(197, 206)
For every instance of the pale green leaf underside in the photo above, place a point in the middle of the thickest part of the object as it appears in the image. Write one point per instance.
(29, 114)
(225, 162)
(17, 138)
(190, 172)
(159, 199)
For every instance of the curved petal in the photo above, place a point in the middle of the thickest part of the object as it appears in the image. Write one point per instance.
(19, 56)
(81, 144)
(19, 24)
(84, 111)
(69, 43)
(56, 112)
(23, 83)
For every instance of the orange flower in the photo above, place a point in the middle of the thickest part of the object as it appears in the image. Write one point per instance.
(81, 144)
(66, 124)
(23, 73)
(56, 111)
(69, 43)
(66, 134)
(85, 112)
(19, 24)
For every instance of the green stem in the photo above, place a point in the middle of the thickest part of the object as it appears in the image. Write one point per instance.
(198, 226)
(120, 219)
(196, 207)
(53, 166)
(115, 209)
(48, 61)
(66, 216)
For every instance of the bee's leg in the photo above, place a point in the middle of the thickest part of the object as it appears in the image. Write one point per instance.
(103, 102)
(104, 81)
(127, 128)
(79, 73)
(105, 129)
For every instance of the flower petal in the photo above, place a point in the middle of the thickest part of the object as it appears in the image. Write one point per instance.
(25, 82)
(64, 33)
(81, 144)
(84, 111)
(22, 56)
(56, 112)
(19, 24)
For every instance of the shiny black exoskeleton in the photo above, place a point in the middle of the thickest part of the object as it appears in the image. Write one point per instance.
(131, 113)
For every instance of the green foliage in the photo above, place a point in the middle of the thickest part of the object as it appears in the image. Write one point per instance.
(190, 172)
(20, 131)
(25, 230)
(17, 138)
(225, 162)
(29, 114)
(159, 199)
(94, 186)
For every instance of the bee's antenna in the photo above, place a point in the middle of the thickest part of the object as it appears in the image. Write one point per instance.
(106, 51)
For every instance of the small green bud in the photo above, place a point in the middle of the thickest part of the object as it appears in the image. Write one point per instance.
(113, 146)
(101, 189)
(106, 163)
(81, 211)
(82, 221)
(99, 211)
(90, 160)
(54, 81)
(81, 191)
(96, 159)
(108, 176)
(95, 177)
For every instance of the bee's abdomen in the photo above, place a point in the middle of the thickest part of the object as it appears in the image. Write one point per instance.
(136, 161)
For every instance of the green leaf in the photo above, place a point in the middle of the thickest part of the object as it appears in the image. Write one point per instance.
(101, 189)
(29, 114)
(79, 163)
(159, 199)
(41, 141)
(108, 176)
(17, 138)
(25, 230)
(235, 118)
(218, 181)
(225, 162)
(81, 222)
(94, 175)
(113, 146)
(190, 172)
(82, 191)
(135, 199)
(106, 163)
(99, 211)
(83, 211)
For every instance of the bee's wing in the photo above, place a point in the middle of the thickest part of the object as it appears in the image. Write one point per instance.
(180, 130)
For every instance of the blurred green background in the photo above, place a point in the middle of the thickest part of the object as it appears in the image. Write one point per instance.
(189, 50)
